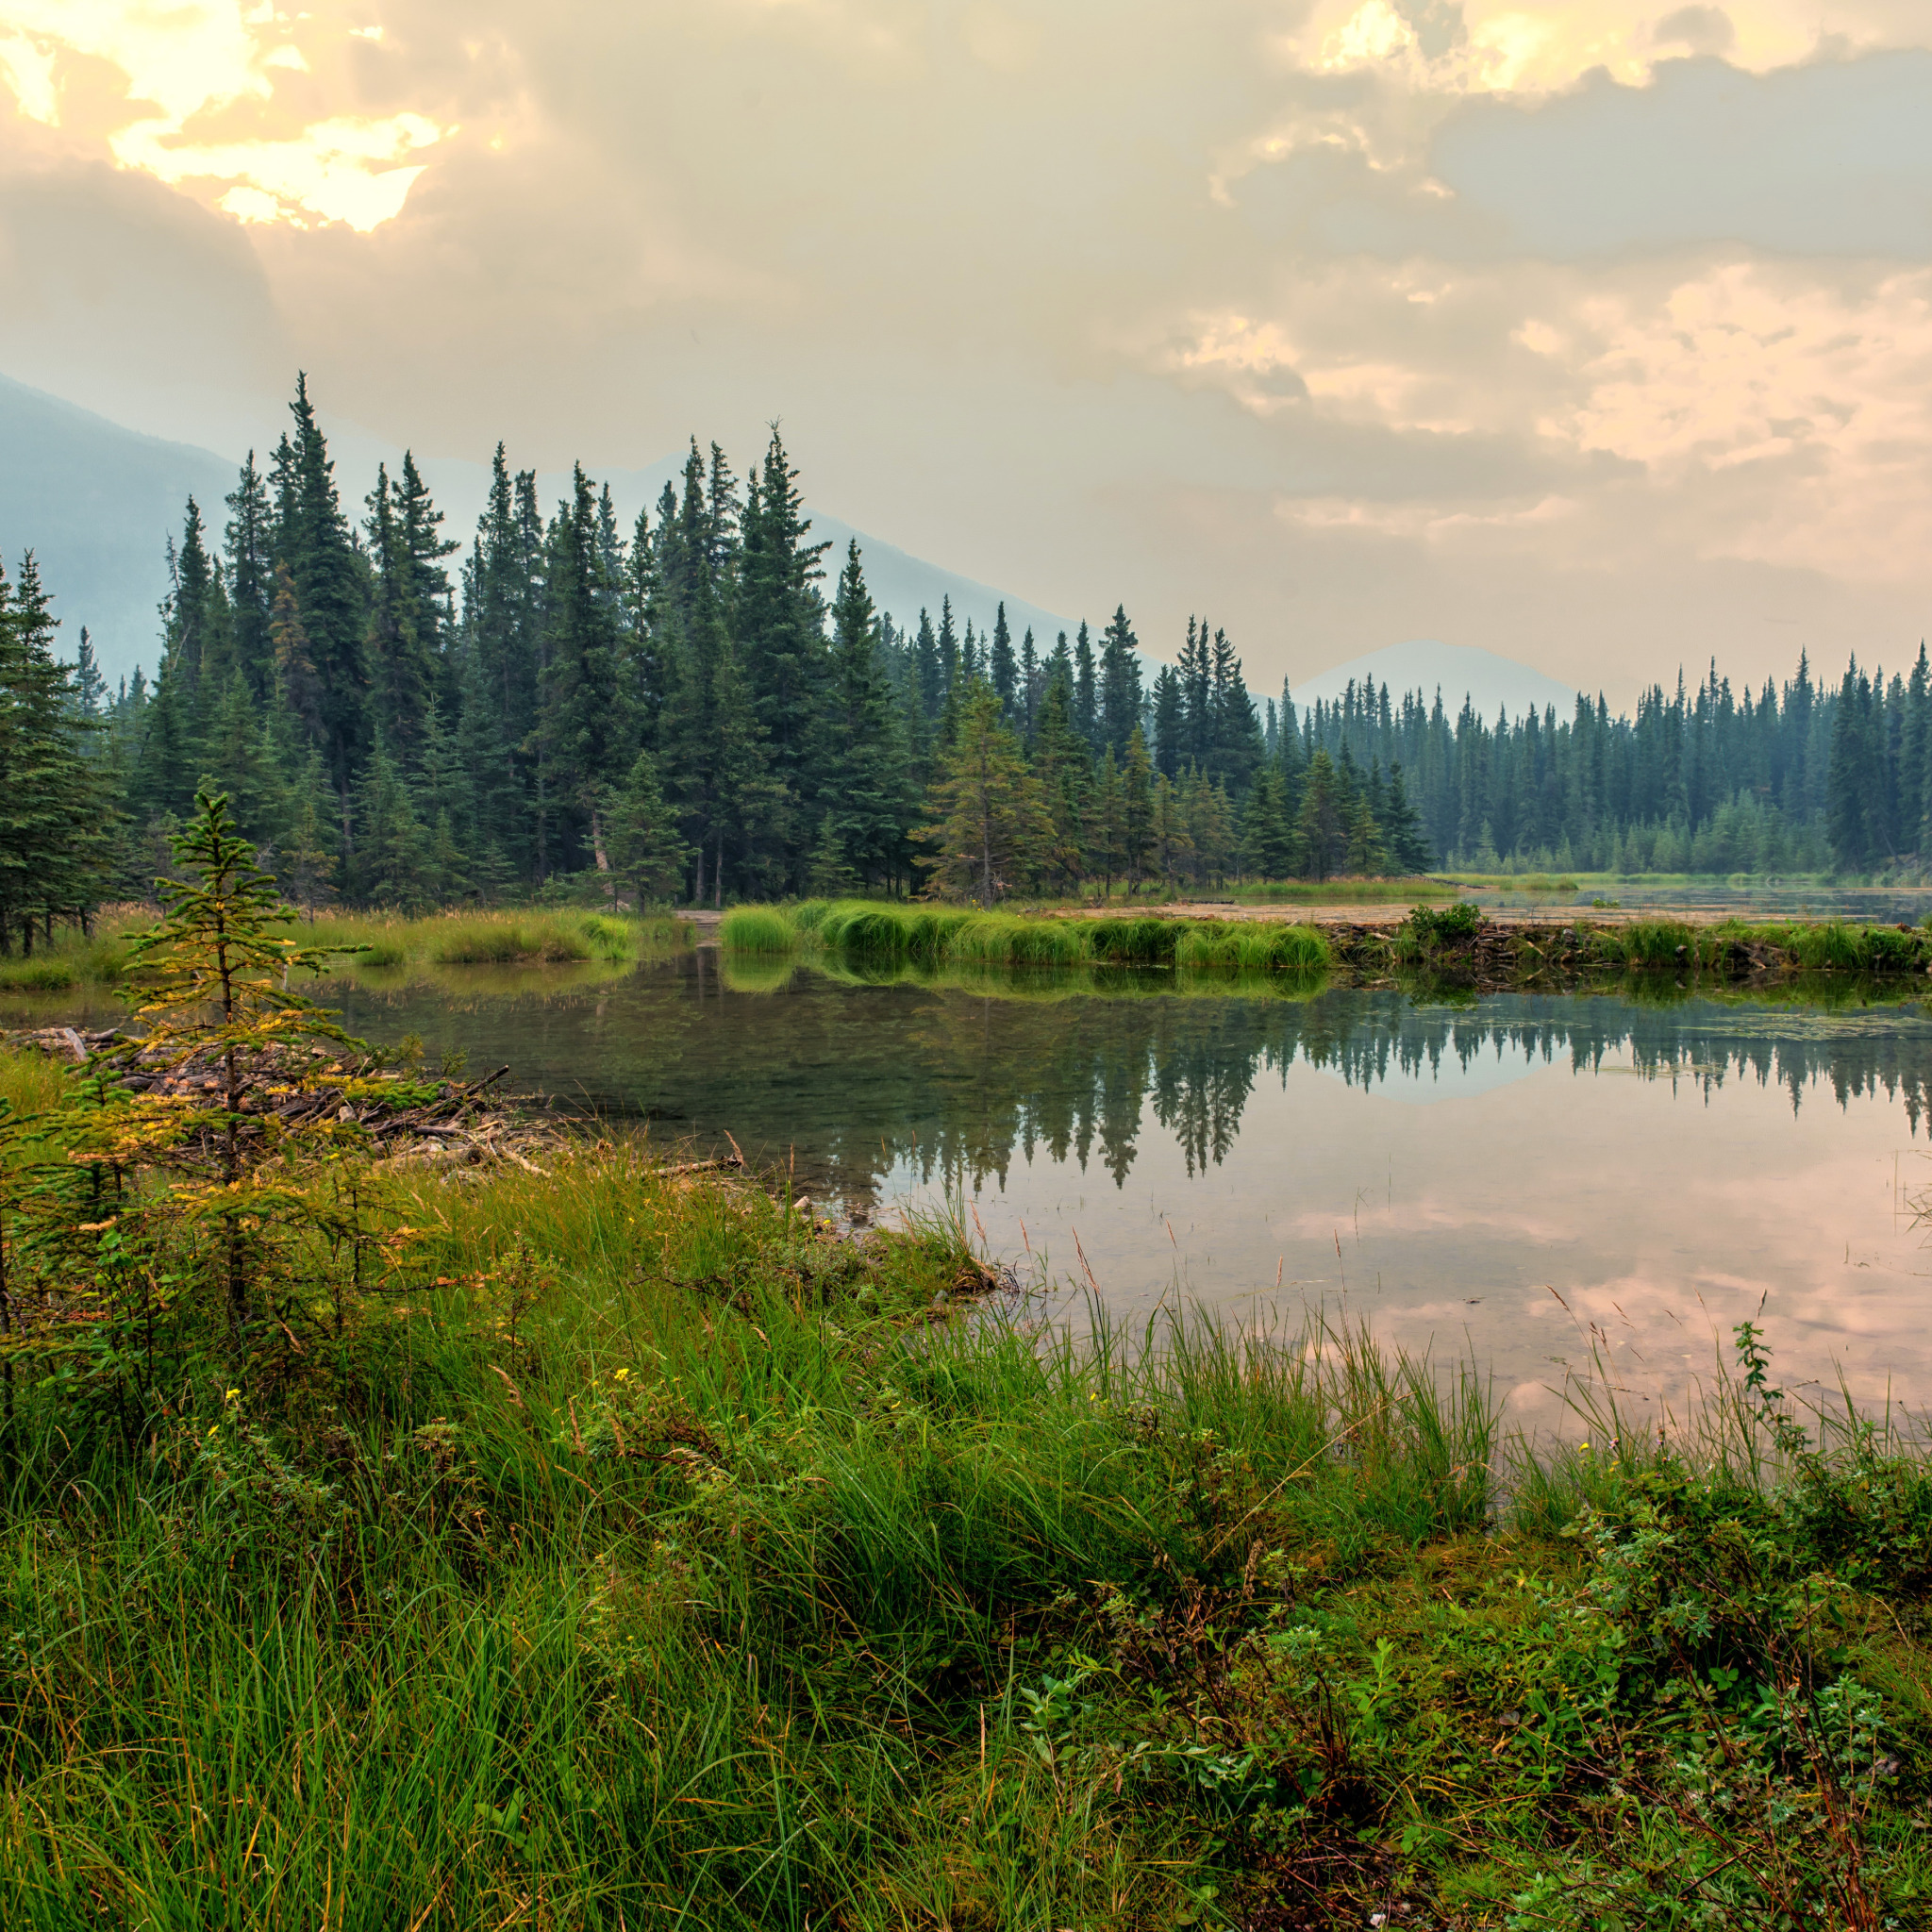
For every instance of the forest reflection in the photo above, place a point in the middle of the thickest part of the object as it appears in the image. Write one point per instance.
(853, 1078)
(1085, 1079)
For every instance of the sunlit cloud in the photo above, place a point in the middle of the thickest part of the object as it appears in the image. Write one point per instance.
(1494, 46)
(203, 109)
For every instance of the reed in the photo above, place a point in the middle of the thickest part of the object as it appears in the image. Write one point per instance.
(757, 929)
(1252, 944)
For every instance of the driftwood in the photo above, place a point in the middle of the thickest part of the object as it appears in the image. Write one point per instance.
(464, 1125)
(724, 1162)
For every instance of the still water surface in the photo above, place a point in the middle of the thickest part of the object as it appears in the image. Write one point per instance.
(1514, 1177)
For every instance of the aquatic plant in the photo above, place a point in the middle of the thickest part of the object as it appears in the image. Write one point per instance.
(1655, 942)
(757, 929)
(1252, 943)
(502, 938)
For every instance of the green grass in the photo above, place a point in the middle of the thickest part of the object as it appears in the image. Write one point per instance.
(1251, 944)
(385, 942)
(72, 960)
(758, 929)
(934, 937)
(391, 943)
(1338, 892)
(644, 1551)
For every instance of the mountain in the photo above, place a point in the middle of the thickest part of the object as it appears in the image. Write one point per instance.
(1490, 682)
(98, 503)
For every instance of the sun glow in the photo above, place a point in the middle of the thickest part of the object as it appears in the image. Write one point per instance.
(205, 106)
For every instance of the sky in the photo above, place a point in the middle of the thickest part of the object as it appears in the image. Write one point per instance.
(1598, 336)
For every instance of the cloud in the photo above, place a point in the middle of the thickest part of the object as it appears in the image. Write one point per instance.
(214, 100)
(1820, 161)
(1580, 333)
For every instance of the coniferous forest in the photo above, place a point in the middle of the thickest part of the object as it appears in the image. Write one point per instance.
(706, 706)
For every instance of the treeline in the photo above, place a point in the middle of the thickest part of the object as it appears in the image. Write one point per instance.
(677, 709)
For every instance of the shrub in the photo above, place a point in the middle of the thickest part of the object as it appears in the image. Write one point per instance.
(1431, 926)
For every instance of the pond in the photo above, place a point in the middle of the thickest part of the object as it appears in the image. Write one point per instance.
(1545, 1184)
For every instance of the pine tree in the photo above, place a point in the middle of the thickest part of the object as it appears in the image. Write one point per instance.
(644, 844)
(1085, 691)
(1402, 829)
(1136, 809)
(392, 860)
(1119, 683)
(213, 988)
(829, 876)
(56, 827)
(251, 563)
(1268, 840)
(313, 540)
(1170, 841)
(308, 858)
(1321, 831)
(986, 825)
(861, 757)
(400, 644)
(777, 618)
(1003, 669)
(1105, 832)
(583, 729)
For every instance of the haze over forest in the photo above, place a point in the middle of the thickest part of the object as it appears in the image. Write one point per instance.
(1592, 337)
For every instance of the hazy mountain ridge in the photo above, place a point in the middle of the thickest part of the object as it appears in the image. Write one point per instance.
(97, 503)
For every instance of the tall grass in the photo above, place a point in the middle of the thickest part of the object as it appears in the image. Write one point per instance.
(950, 936)
(757, 929)
(72, 960)
(383, 942)
(1252, 944)
(645, 1555)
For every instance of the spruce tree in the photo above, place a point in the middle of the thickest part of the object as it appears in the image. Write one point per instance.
(1119, 683)
(1320, 830)
(987, 827)
(582, 726)
(644, 844)
(1136, 809)
(314, 542)
(1085, 691)
(251, 563)
(862, 756)
(1003, 669)
(56, 828)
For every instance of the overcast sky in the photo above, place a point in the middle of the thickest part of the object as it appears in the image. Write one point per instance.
(1598, 336)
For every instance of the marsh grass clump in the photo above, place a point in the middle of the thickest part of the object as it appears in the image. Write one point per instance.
(935, 937)
(1251, 944)
(757, 929)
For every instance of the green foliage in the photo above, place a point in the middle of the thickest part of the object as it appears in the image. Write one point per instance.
(1430, 928)
(551, 939)
(655, 1543)
(757, 929)
(1252, 943)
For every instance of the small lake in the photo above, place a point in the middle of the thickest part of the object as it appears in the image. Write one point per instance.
(1519, 1179)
